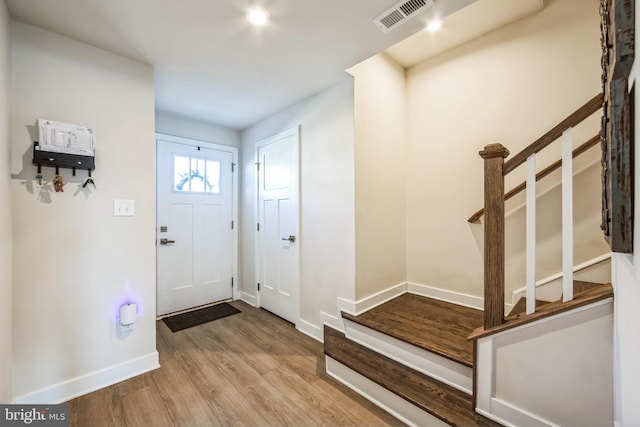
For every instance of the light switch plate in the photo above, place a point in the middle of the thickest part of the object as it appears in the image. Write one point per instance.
(123, 208)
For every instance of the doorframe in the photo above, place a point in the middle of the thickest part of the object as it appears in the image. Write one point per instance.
(295, 131)
(234, 198)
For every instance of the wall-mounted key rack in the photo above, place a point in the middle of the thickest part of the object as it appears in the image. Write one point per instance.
(61, 160)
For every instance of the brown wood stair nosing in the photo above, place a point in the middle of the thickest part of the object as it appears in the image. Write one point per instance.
(441, 400)
(436, 326)
(580, 299)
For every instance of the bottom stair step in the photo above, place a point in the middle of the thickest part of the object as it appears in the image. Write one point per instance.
(443, 401)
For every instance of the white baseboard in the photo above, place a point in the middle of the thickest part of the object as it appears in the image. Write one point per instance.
(310, 329)
(248, 298)
(70, 389)
(355, 308)
(502, 411)
(446, 295)
(390, 402)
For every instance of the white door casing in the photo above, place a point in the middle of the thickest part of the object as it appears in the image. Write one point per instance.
(277, 238)
(196, 214)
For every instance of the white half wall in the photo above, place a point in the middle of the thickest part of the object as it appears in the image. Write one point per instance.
(74, 262)
(327, 228)
(559, 369)
(6, 244)
(185, 127)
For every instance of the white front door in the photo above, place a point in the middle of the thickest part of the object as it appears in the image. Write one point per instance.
(277, 236)
(195, 237)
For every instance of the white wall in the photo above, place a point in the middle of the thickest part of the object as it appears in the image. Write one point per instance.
(74, 263)
(380, 177)
(171, 124)
(5, 213)
(626, 283)
(509, 86)
(327, 230)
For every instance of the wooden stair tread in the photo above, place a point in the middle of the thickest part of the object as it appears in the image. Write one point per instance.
(521, 307)
(580, 286)
(433, 325)
(586, 297)
(441, 400)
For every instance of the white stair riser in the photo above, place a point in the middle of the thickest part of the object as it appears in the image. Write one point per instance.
(440, 368)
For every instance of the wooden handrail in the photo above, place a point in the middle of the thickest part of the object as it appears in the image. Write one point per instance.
(495, 170)
(546, 171)
(593, 105)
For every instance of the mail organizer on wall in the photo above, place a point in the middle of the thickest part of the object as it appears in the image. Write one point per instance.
(64, 145)
(61, 160)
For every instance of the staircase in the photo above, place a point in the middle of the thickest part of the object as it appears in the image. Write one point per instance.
(414, 356)
(433, 363)
(415, 348)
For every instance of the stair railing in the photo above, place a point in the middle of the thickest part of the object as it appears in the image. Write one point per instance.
(495, 169)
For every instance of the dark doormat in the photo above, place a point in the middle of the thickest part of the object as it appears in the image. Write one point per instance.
(198, 317)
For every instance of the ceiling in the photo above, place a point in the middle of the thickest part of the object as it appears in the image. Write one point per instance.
(211, 65)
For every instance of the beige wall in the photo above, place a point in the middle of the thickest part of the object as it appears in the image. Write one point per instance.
(380, 177)
(327, 247)
(5, 213)
(509, 86)
(74, 263)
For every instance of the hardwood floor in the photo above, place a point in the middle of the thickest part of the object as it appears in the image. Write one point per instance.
(249, 369)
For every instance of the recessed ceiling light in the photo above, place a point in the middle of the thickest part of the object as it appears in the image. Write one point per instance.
(434, 25)
(257, 15)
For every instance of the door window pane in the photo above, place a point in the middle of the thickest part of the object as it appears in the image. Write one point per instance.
(181, 173)
(196, 175)
(213, 176)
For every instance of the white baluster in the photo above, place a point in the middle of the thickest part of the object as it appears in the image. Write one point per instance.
(567, 215)
(531, 235)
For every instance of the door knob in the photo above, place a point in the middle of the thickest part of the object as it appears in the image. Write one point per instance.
(164, 241)
(291, 239)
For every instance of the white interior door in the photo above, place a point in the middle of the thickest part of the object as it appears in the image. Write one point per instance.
(277, 236)
(195, 241)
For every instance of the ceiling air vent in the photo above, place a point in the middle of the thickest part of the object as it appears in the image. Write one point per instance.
(400, 13)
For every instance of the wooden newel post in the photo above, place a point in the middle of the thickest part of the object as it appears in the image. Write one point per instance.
(493, 155)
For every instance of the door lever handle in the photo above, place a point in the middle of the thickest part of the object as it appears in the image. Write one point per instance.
(164, 241)
(291, 239)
